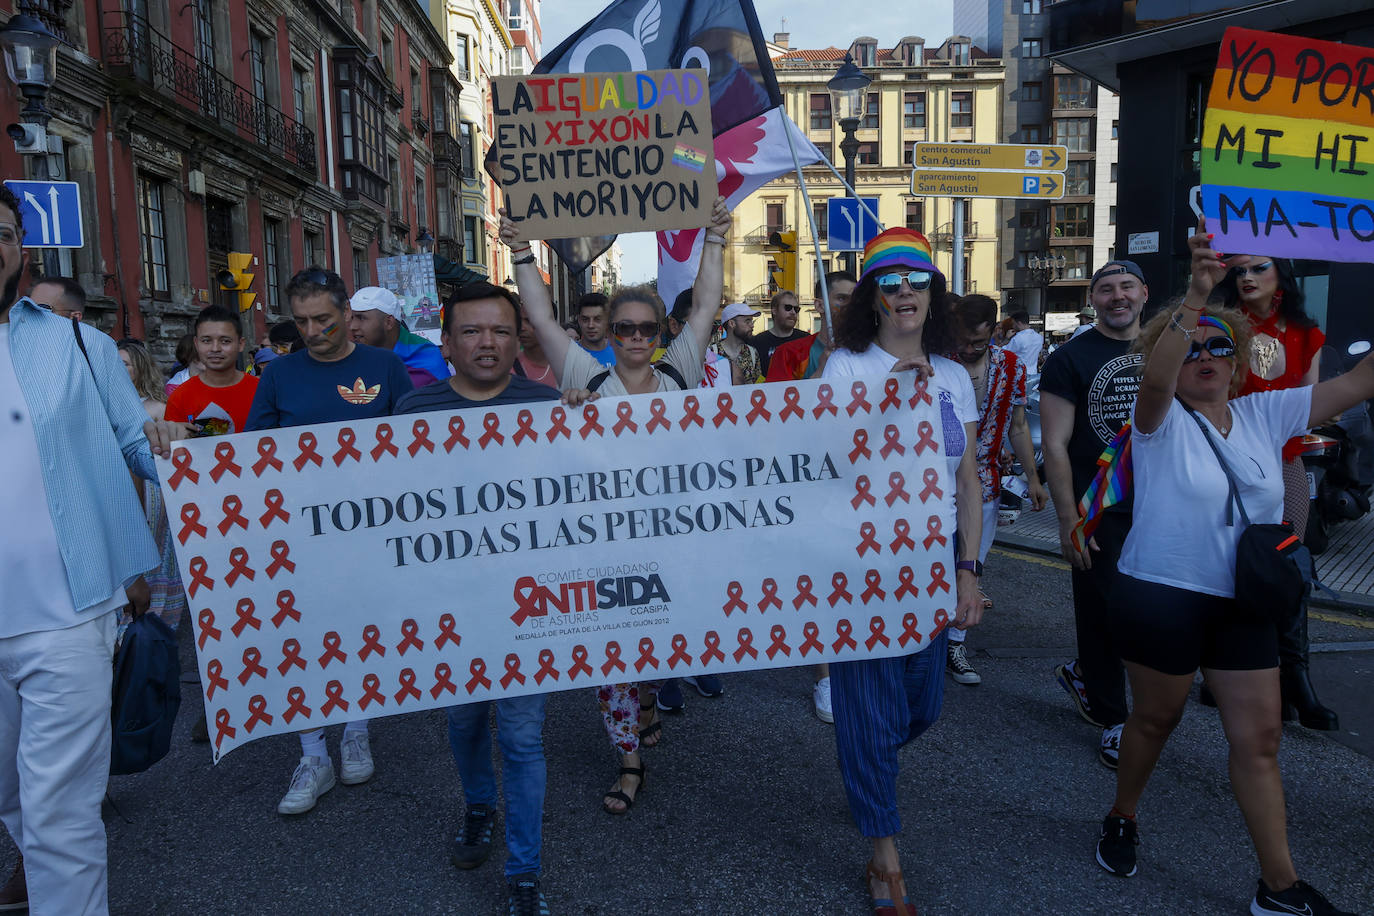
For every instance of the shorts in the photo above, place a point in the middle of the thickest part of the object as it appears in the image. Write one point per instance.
(1177, 631)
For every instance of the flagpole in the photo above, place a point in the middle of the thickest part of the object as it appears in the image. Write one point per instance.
(855, 194)
(811, 223)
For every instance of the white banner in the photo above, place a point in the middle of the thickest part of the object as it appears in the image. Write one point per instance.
(348, 571)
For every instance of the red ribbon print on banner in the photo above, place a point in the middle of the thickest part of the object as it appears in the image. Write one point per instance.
(812, 632)
(411, 631)
(897, 484)
(214, 673)
(524, 423)
(680, 653)
(868, 534)
(874, 580)
(419, 438)
(925, 438)
(892, 441)
(861, 449)
(247, 617)
(347, 438)
(333, 698)
(332, 652)
(408, 690)
(546, 666)
(825, 402)
(478, 669)
(906, 584)
(862, 486)
(770, 595)
(901, 530)
(491, 426)
(223, 728)
(372, 642)
(290, 655)
(455, 435)
(384, 444)
(778, 635)
(933, 533)
(272, 502)
(745, 639)
(232, 507)
(657, 416)
(791, 405)
(625, 411)
(199, 580)
(208, 630)
(267, 457)
(443, 680)
(876, 634)
(909, 631)
(559, 418)
(725, 403)
(281, 559)
(890, 397)
(735, 592)
(590, 416)
(712, 651)
(238, 567)
(931, 478)
(224, 464)
(372, 692)
(860, 399)
(286, 607)
(295, 700)
(580, 666)
(181, 460)
(691, 412)
(839, 584)
(844, 633)
(447, 632)
(646, 655)
(252, 665)
(306, 448)
(258, 707)
(803, 593)
(758, 398)
(190, 523)
(612, 658)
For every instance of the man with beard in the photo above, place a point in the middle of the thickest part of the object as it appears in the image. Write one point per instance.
(804, 357)
(786, 310)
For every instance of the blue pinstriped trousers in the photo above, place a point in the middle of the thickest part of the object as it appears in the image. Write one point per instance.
(880, 704)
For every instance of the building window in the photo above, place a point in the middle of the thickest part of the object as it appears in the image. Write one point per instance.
(417, 92)
(915, 214)
(1074, 133)
(385, 52)
(866, 54)
(871, 107)
(460, 57)
(1111, 215)
(1078, 177)
(1032, 133)
(961, 109)
(465, 141)
(1023, 259)
(1028, 219)
(421, 205)
(773, 217)
(820, 211)
(908, 152)
(1075, 263)
(958, 54)
(914, 110)
(272, 258)
(258, 46)
(1031, 91)
(362, 137)
(1030, 47)
(1073, 220)
(205, 32)
(820, 111)
(362, 271)
(152, 218)
(1113, 178)
(1114, 128)
(298, 93)
(471, 254)
(513, 19)
(1030, 7)
(1072, 91)
(219, 224)
(866, 154)
(314, 249)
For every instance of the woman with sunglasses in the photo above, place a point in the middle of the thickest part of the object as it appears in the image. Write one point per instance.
(897, 319)
(636, 316)
(1174, 608)
(1284, 354)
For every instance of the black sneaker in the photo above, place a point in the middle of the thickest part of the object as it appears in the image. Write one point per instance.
(1116, 849)
(472, 846)
(670, 697)
(526, 899)
(1302, 898)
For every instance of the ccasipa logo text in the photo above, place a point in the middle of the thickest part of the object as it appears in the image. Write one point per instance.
(580, 599)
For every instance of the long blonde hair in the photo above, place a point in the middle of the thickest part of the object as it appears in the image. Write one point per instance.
(148, 381)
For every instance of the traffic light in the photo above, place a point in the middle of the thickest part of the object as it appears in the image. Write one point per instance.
(237, 279)
(783, 248)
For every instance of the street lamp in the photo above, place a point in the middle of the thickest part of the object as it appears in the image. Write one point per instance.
(425, 241)
(849, 89)
(31, 61)
(1046, 264)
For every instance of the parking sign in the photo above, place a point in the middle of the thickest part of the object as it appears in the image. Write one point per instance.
(51, 212)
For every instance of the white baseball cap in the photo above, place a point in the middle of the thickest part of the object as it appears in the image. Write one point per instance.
(375, 298)
(735, 310)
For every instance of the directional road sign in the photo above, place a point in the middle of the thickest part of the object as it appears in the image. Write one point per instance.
(1005, 156)
(850, 225)
(1043, 185)
(51, 211)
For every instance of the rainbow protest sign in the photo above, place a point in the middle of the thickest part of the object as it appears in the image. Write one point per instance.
(1288, 148)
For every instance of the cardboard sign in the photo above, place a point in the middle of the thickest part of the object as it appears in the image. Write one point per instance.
(348, 571)
(602, 153)
(1288, 147)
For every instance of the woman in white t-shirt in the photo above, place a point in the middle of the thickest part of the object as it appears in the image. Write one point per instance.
(898, 319)
(1173, 609)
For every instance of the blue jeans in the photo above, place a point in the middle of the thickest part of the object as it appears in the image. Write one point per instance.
(520, 729)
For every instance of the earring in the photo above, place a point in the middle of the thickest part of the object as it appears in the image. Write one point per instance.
(876, 322)
(1278, 298)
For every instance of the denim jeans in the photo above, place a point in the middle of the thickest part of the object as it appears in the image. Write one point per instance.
(520, 729)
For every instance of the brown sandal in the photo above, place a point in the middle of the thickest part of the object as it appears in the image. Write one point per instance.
(887, 906)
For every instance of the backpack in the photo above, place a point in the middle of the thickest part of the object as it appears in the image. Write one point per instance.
(600, 378)
(145, 696)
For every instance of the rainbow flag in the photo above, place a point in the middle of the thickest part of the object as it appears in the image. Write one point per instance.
(689, 157)
(1109, 486)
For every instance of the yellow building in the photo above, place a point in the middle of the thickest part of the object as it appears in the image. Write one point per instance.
(947, 94)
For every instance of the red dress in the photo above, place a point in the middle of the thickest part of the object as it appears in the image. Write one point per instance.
(1279, 358)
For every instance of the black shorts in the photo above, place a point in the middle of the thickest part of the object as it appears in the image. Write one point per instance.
(1177, 631)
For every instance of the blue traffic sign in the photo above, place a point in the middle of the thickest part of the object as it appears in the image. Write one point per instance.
(850, 225)
(51, 211)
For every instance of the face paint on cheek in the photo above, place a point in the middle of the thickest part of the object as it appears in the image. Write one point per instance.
(883, 306)
(619, 341)
(332, 329)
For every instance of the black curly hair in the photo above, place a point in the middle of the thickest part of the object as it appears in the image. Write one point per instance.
(857, 326)
(1292, 309)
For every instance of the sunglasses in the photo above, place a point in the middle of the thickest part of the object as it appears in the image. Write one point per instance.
(1253, 270)
(1219, 347)
(790, 308)
(627, 329)
(919, 280)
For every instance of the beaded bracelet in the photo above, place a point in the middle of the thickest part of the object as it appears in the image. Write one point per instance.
(1173, 320)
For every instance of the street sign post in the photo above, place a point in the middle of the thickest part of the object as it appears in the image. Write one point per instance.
(51, 212)
(990, 156)
(850, 226)
(1038, 186)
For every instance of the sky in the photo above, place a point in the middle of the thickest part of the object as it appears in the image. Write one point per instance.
(810, 23)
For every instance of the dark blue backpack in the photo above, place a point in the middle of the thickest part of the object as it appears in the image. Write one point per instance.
(146, 696)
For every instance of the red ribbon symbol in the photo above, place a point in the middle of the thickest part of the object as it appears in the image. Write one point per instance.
(680, 653)
(222, 727)
(238, 566)
(272, 501)
(861, 448)
(246, 617)
(937, 578)
(408, 688)
(612, 658)
(286, 607)
(860, 399)
(512, 671)
(419, 434)
(901, 528)
(920, 394)
(331, 649)
(190, 523)
(224, 453)
(897, 483)
(333, 698)
(546, 668)
(839, 583)
(909, 631)
(306, 445)
(759, 399)
(447, 632)
(876, 634)
(862, 485)
(890, 398)
(874, 580)
(941, 621)
(735, 591)
(478, 669)
(712, 648)
(691, 412)
(281, 558)
(844, 636)
(252, 664)
(443, 680)
(290, 655)
(725, 404)
(589, 422)
(812, 633)
(933, 534)
(524, 422)
(906, 584)
(803, 593)
(779, 636)
(198, 566)
(384, 443)
(580, 666)
(625, 412)
(657, 418)
(892, 441)
(258, 707)
(791, 406)
(646, 655)
(267, 455)
(372, 642)
(295, 698)
(455, 434)
(410, 630)
(745, 638)
(181, 460)
(346, 449)
(925, 438)
(824, 401)
(931, 478)
(869, 535)
(491, 423)
(215, 672)
(233, 515)
(559, 418)
(770, 595)
(208, 630)
(372, 692)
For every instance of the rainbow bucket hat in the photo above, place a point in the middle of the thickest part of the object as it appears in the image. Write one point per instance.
(897, 247)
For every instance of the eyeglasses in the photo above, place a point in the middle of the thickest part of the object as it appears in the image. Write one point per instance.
(627, 329)
(1253, 270)
(9, 235)
(790, 308)
(1220, 347)
(919, 280)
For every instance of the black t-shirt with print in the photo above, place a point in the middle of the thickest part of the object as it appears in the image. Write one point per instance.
(768, 341)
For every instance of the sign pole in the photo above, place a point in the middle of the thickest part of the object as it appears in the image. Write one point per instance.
(811, 223)
(956, 272)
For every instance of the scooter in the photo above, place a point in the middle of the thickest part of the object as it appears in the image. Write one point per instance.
(1336, 457)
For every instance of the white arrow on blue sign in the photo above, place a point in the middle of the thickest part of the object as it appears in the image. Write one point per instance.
(850, 225)
(51, 211)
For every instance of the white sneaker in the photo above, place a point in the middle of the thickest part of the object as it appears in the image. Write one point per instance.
(355, 759)
(313, 777)
(820, 695)
(1110, 752)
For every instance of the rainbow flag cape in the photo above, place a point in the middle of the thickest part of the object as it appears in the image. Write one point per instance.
(1110, 485)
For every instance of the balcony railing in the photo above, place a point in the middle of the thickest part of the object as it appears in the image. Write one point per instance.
(447, 150)
(134, 49)
(52, 13)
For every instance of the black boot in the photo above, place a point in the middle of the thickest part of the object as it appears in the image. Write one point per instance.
(1299, 698)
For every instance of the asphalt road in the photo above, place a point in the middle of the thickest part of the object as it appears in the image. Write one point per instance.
(743, 812)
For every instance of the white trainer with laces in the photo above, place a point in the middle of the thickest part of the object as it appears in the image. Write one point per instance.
(820, 695)
(355, 759)
(314, 776)
(1110, 753)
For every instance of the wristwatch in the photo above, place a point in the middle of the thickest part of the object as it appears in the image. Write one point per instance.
(972, 566)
